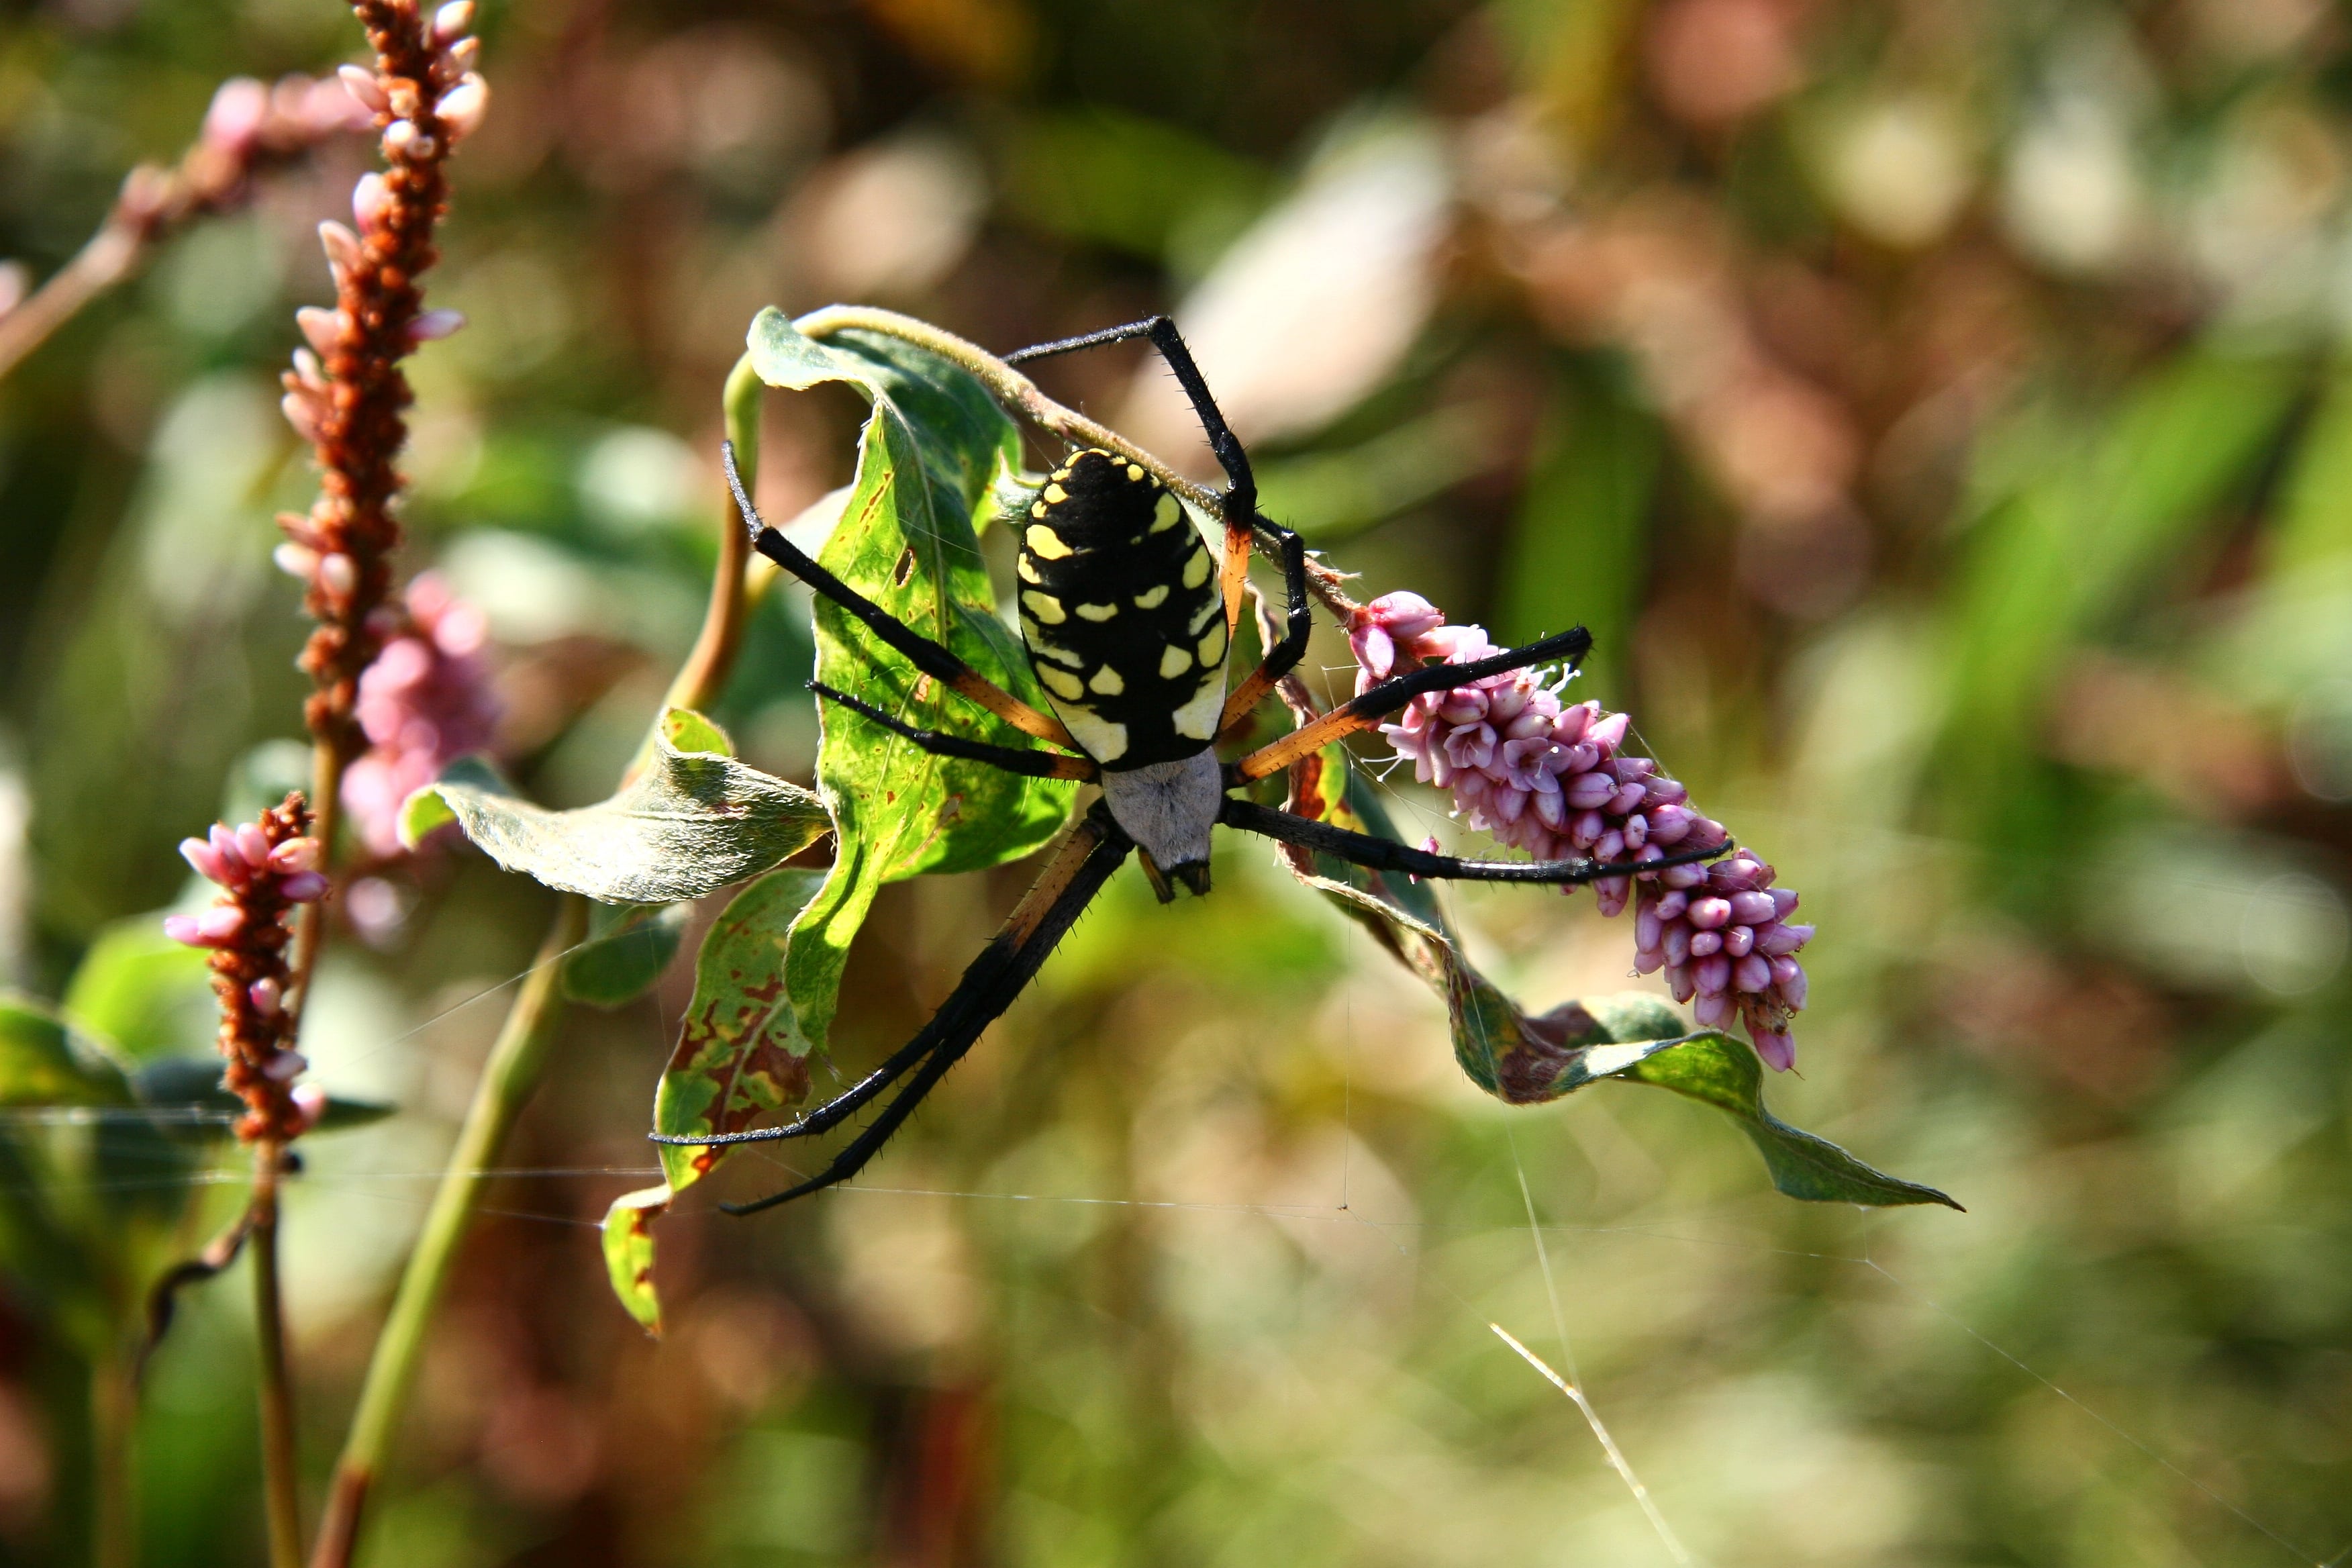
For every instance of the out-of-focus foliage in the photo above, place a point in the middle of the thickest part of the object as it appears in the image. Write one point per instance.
(1936, 410)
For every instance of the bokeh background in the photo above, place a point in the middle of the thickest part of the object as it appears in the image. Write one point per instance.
(1936, 410)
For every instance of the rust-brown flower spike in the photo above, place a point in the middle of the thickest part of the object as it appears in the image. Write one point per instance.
(264, 869)
(346, 393)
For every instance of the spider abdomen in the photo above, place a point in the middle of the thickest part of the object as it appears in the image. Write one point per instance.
(1122, 613)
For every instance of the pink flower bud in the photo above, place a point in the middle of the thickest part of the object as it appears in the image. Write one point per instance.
(310, 1102)
(399, 138)
(295, 855)
(1678, 982)
(341, 246)
(1627, 800)
(362, 85)
(1753, 973)
(433, 325)
(1737, 941)
(1752, 909)
(1590, 792)
(303, 887)
(1778, 1048)
(295, 560)
(1679, 877)
(338, 574)
(1789, 983)
(1677, 942)
(459, 59)
(371, 201)
(1647, 926)
(285, 1067)
(1710, 913)
(239, 109)
(1611, 893)
(1672, 905)
(1570, 727)
(200, 854)
(220, 923)
(1647, 959)
(1609, 847)
(267, 996)
(320, 327)
(1784, 902)
(1610, 733)
(450, 22)
(462, 106)
(1706, 944)
(1713, 975)
(183, 928)
(252, 845)
(303, 412)
(1774, 940)
(1714, 1010)
(1664, 790)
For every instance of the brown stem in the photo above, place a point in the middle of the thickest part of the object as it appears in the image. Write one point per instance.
(109, 257)
(280, 1476)
(113, 1420)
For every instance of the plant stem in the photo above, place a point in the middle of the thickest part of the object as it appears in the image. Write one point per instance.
(507, 1080)
(512, 1072)
(1011, 387)
(105, 260)
(280, 1476)
(114, 1424)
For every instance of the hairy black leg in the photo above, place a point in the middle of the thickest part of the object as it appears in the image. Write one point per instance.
(1388, 855)
(1241, 484)
(1012, 759)
(1363, 711)
(911, 644)
(988, 986)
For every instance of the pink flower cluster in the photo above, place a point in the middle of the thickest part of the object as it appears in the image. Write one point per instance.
(264, 869)
(243, 860)
(1551, 778)
(425, 701)
(250, 120)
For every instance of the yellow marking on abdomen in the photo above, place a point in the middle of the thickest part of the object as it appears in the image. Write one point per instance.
(1056, 495)
(1045, 542)
(1153, 600)
(1108, 681)
(1022, 565)
(1045, 606)
(1196, 570)
(1212, 645)
(1061, 682)
(1167, 514)
(1197, 719)
(1173, 662)
(1096, 612)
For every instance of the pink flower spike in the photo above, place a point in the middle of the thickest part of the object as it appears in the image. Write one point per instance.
(200, 854)
(252, 845)
(1777, 1050)
(360, 83)
(220, 923)
(434, 325)
(183, 928)
(1610, 733)
(1753, 973)
(303, 888)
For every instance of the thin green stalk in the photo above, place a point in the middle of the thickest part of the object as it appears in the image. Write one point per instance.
(511, 1074)
(507, 1080)
(113, 1421)
(280, 1476)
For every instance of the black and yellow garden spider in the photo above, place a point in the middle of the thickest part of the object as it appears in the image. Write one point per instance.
(1127, 621)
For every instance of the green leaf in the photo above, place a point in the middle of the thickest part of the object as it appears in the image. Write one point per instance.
(628, 947)
(1718, 1070)
(1531, 1059)
(629, 1252)
(149, 995)
(45, 1061)
(188, 1084)
(690, 823)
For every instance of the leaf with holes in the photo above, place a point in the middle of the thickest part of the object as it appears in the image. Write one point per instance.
(1530, 1059)
(693, 820)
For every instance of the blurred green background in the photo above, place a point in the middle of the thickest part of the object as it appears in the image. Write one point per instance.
(1937, 412)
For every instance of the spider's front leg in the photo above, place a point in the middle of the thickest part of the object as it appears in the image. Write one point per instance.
(1077, 871)
(918, 650)
(1364, 712)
